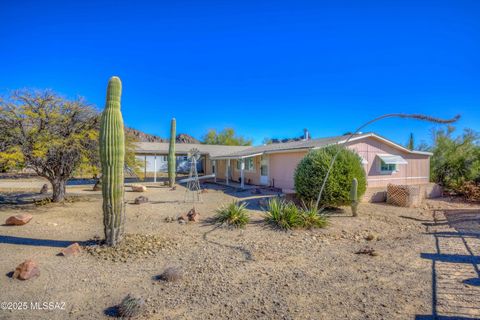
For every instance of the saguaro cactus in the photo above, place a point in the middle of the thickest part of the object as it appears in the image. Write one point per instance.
(112, 157)
(172, 166)
(354, 196)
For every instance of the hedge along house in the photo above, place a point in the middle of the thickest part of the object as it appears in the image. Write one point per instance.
(274, 164)
(154, 156)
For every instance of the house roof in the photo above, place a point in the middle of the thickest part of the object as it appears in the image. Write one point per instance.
(309, 144)
(161, 148)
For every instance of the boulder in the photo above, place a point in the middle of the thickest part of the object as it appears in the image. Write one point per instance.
(18, 220)
(138, 188)
(26, 270)
(71, 250)
(44, 189)
(140, 200)
(193, 215)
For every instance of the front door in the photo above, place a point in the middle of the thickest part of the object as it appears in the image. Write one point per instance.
(264, 170)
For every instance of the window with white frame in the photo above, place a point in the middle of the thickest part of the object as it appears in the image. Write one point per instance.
(249, 164)
(387, 167)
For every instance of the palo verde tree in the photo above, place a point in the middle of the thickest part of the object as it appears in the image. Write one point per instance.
(47, 133)
(225, 137)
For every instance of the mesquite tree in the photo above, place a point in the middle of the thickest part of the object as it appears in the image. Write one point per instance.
(44, 132)
(172, 166)
(112, 158)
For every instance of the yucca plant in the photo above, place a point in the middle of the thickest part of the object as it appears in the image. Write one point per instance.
(235, 215)
(284, 215)
(312, 218)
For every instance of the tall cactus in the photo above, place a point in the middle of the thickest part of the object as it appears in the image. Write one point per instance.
(112, 157)
(171, 154)
(354, 196)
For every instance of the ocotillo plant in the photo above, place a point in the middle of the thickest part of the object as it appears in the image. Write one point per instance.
(112, 157)
(171, 155)
(354, 196)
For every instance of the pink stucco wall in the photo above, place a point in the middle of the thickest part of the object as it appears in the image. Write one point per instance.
(282, 166)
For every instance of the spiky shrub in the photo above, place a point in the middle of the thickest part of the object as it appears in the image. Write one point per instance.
(312, 218)
(234, 214)
(312, 169)
(171, 154)
(354, 196)
(112, 155)
(286, 215)
(131, 306)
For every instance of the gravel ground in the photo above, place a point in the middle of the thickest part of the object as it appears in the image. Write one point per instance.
(255, 273)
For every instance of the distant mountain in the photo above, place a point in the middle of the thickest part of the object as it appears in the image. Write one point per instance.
(145, 137)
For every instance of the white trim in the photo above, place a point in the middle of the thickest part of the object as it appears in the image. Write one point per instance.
(425, 153)
(398, 178)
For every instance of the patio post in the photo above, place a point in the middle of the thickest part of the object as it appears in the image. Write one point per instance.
(155, 168)
(227, 171)
(242, 168)
(214, 163)
(145, 170)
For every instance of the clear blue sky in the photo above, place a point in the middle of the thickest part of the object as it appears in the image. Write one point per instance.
(265, 68)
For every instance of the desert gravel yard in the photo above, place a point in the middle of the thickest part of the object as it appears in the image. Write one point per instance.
(423, 262)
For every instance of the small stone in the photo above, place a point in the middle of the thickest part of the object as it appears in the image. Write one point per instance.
(140, 200)
(26, 270)
(173, 188)
(138, 188)
(370, 237)
(44, 189)
(19, 220)
(71, 250)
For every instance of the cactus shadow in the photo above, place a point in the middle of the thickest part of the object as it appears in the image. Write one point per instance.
(111, 312)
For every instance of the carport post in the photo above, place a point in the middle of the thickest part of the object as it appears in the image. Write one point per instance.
(226, 170)
(242, 168)
(145, 170)
(155, 168)
(214, 162)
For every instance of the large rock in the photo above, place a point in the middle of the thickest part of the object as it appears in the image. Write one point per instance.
(193, 215)
(138, 188)
(19, 219)
(26, 270)
(71, 250)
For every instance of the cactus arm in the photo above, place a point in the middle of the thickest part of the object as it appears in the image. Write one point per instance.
(112, 157)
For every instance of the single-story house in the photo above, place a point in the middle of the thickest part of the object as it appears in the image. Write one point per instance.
(274, 164)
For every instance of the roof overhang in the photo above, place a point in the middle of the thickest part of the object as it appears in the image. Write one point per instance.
(236, 157)
(392, 159)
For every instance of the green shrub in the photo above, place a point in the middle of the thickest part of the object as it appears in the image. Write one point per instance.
(312, 169)
(235, 215)
(286, 215)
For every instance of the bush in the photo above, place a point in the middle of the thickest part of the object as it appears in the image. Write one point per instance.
(235, 215)
(312, 169)
(286, 215)
(471, 191)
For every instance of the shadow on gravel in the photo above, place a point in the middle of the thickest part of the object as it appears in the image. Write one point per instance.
(247, 253)
(40, 242)
(450, 300)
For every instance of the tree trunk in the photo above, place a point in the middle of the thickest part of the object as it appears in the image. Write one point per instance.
(58, 186)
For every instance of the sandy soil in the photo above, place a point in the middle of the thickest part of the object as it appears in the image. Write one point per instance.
(424, 266)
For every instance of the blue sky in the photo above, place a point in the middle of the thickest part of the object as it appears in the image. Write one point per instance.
(265, 68)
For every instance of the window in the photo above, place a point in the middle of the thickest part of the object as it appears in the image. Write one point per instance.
(249, 164)
(387, 167)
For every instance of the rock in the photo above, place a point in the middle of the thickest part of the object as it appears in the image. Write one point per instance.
(97, 186)
(367, 250)
(171, 274)
(138, 188)
(44, 189)
(169, 219)
(173, 188)
(18, 220)
(140, 200)
(193, 215)
(26, 270)
(183, 217)
(204, 191)
(370, 237)
(71, 250)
